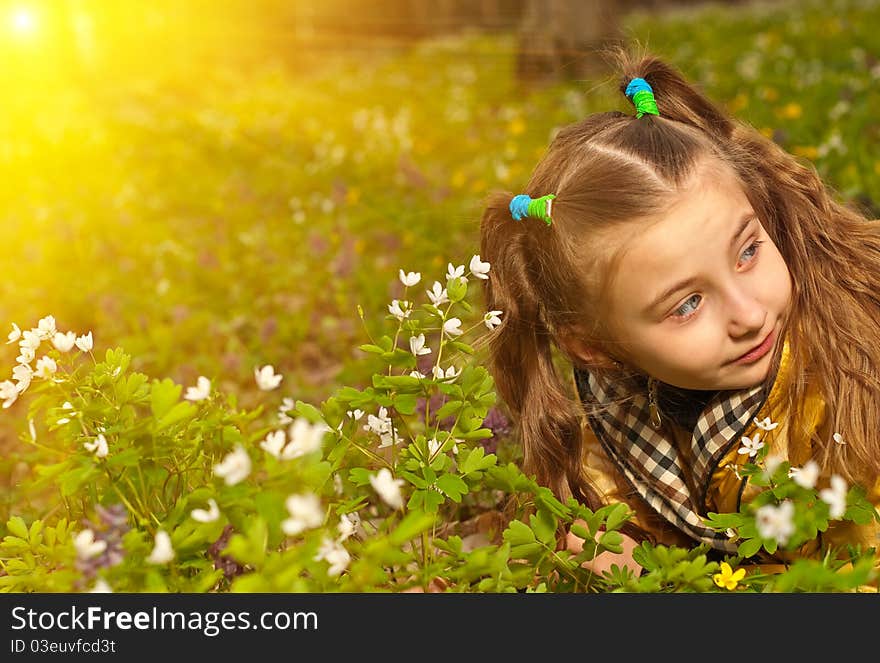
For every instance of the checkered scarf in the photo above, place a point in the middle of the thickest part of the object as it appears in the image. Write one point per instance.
(649, 459)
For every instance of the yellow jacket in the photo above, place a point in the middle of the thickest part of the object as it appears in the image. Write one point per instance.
(675, 477)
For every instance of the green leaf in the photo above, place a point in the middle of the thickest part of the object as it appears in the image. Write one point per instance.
(163, 395)
(518, 533)
(617, 516)
(453, 486)
(180, 412)
(544, 525)
(412, 525)
(359, 476)
(17, 526)
(309, 412)
(463, 347)
(449, 408)
(396, 382)
(611, 541)
(456, 289)
(405, 403)
(369, 347)
(749, 547)
(475, 460)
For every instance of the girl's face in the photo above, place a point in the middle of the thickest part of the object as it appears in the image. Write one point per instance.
(700, 288)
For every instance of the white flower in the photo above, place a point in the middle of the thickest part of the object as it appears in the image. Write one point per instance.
(417, 345)
(46, 367)
(479, 268)
(417, 374)
(335, 554)
(492, 319)
(206, 516)
(84, 342)
(201, 391)
(266, 377)
(101, 587)
(434, 446)
(29, 339)
(287, 404)
(775, 522)
(771, 463)
(8, 393)
(388, 487)
(839, 438)
(26, 355)
(805, 476)
(400, 309)
(355, 414)
(383, 426)
(750, 446)
(64, 342)
(437, 294)
(14, 335)
(235, 466)
(46, 327)
(305, 438)
(98, 447)
(450, 372)
(22, 374)
(835, 496)
(162, 551)
(455, 272)
(765, 424)
(348, 524)
(274, 443)
(452, 327)
(410, 278)
(86, 545)
(305, 513)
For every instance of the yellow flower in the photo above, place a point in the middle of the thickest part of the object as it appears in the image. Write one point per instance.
(516, 126)
(739, 102)
(458, 179)
(769, 93)
(808, 151)
(790, 111)
(728, 578)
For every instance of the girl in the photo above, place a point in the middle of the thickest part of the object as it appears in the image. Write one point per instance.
(704, 285)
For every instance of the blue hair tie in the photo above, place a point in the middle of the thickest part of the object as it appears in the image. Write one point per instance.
(641, 94)
(523, 205)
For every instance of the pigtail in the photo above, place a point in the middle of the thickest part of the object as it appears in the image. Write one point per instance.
(521, 356)
(677, 99)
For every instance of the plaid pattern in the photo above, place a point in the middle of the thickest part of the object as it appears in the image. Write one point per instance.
(649, 459)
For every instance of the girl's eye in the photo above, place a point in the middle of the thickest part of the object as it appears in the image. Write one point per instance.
(689, 307)
(752, 250)
(686, 310)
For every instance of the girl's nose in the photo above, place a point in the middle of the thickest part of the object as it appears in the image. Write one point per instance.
(746, 313)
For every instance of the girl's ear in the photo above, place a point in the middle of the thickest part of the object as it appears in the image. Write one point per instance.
(585, 355)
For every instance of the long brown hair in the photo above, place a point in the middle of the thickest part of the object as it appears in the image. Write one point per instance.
(612, 168)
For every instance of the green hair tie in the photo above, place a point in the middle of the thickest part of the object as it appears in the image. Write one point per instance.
(523, 205)
(642, 96)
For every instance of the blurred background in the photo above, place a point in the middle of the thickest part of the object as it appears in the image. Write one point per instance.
(218, 185)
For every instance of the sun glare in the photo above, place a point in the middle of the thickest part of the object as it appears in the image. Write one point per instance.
(23, 22)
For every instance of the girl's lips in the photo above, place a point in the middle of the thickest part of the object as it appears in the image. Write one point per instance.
(757, 352)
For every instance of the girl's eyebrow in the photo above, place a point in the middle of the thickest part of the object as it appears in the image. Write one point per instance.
(744, 223)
